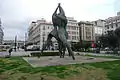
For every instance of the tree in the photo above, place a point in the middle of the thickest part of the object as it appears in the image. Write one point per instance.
(84, 44)
(109, 40)
(117, 33)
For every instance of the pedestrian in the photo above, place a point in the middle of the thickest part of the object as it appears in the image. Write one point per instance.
(18, 47)
(10, 50)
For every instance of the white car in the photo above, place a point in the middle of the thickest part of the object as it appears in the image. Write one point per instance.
(33, 48)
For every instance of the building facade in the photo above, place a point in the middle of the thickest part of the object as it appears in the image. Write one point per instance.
(73, 30)
(39, 30)
(112, 23)
(12, 42)
(1, 32)
(99, 27)
(87, 31)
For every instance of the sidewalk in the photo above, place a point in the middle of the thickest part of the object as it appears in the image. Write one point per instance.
(25, 53)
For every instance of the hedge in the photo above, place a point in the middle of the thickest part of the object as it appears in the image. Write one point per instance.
(1, 50)
(35, 54)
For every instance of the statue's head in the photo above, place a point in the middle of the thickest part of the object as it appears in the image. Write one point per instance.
(59, 4)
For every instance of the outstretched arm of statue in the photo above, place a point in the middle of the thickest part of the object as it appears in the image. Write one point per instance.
(62, 13)
(61, 10)
(55, 11)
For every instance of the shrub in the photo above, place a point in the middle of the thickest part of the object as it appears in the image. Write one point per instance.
(35, 54)
(1, 50)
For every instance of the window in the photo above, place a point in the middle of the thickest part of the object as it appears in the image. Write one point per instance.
(88, 37)
(43, 27)
(43, 33)
(74, 33)
(51, 27)
(74, 28)
(69, 37)
(116, 25)
(77, 33)
(111, 26)
(74, 37)
(77, 28)
(77, 38)
(43, 39)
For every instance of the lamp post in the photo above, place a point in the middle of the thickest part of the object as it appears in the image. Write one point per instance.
(15, 42)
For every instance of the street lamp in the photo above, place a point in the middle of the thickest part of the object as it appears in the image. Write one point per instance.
(15, 42)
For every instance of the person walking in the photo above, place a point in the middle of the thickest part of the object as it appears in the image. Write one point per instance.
(10, 50)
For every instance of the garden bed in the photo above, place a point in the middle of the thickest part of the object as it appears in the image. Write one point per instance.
(36, 54)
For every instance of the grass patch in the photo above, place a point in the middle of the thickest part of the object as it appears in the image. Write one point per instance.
(116, 57)
(112, 68)
(15, 68)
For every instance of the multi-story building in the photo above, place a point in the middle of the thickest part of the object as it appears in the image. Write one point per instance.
(39, 30)
(87, 31)
(112, 23)
(99, 27)
(12, 42)
(1, 33)
(73, 30)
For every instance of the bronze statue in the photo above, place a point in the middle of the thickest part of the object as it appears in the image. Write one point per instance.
(59, 32)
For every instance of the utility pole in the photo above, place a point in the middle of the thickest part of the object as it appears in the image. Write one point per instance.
(15, 42)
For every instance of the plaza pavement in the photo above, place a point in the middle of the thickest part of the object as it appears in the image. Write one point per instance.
(56, 60)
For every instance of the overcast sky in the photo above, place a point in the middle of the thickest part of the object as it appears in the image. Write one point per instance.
(17, 14)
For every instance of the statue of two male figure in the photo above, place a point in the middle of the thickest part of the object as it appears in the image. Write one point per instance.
(59, 33)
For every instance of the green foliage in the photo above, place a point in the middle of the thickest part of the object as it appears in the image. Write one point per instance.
(83, 44)
(1, 50)
(35, 54)
(109, 40)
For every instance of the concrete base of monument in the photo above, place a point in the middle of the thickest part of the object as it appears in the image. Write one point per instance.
(56, 60)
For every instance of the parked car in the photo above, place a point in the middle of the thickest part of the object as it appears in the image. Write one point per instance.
(33, 48)
(106, 51)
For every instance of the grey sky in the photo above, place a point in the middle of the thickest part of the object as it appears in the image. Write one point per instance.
(17, 14)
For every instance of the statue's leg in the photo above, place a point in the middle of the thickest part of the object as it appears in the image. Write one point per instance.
(60, 49)
(69, 55)
(70, 51)
(65, 43)
(46, 43)
(64, 49)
